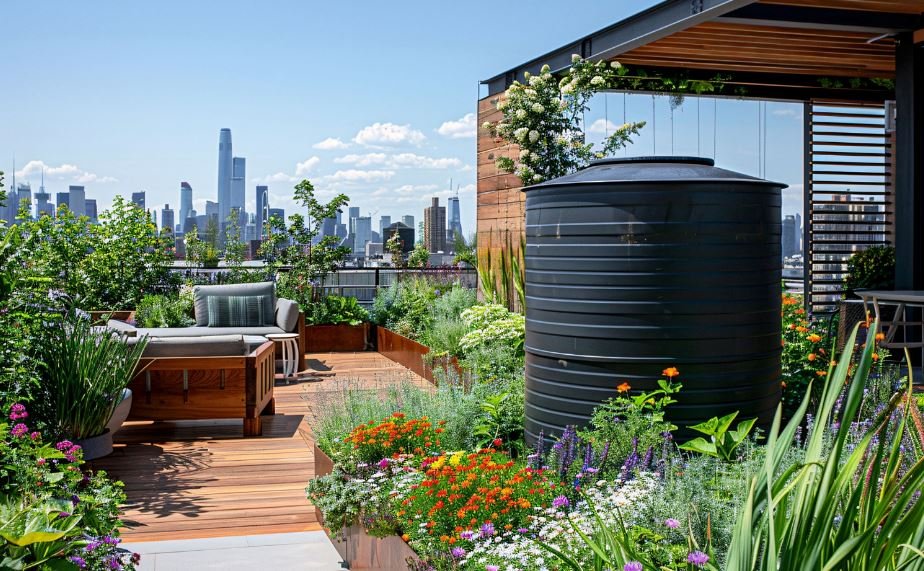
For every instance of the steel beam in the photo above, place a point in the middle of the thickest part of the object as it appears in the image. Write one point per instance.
(873, 23)
(909, 159)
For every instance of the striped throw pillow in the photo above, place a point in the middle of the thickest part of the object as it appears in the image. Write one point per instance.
(237, 310)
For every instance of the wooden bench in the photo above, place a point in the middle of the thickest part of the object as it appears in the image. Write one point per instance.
(198, 388)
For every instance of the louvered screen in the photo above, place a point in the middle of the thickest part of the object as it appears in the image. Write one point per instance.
(848, 193)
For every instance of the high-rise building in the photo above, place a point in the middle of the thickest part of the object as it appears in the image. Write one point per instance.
(92, 212)
(405, 236)
(384, 222)
(328, 227)
(789, 235)
(186, 199)
(43, 203)
(352, 215)
(280, 212)
(798, 237)
(362, 234)
(166, 219)
(225, 170)
(22, 199)
(454, 225)
(262, 213)
(238, 176)
(78, 200)
(435, 227)
(212, 211)
(138, 199)
(408, 220)
(62, 199)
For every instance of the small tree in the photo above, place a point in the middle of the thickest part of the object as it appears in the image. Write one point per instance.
(395, 247)
(194, 247)
(419, 257)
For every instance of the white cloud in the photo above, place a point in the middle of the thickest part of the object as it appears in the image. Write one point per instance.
(302, 168)
(355, 175)
(464, 128)
(400, 160)
(388, 134)
(602, 127)
(330, 144)
(410, 189)
(278, 177)
(64, 172)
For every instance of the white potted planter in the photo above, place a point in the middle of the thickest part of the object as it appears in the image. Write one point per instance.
(96, 446)
(121, 412)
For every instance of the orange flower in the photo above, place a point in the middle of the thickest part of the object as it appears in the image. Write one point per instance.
(875, 356)
(624, 387)
(821, 373)
(880, 337)
(811, 356)
(814, 338)
(670, 372)
(406, 537)
(783, 384)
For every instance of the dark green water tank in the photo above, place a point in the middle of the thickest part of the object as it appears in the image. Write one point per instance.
(635, 265)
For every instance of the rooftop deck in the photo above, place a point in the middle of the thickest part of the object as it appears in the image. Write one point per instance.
(198, 479)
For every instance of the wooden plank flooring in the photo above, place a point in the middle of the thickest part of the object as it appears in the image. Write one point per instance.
(196, 479)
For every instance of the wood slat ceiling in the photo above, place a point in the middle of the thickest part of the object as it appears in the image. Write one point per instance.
(750, 48)
(893, 6)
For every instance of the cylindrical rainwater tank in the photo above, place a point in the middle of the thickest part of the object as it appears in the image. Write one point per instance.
(640, 264)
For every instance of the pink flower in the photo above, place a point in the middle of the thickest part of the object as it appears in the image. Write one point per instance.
(19, 430)
(633, 566)
(698, 558)
(41, 461)
(18, 411)
(671, 523)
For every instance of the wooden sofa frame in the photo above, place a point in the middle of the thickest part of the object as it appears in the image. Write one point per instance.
(197, 388)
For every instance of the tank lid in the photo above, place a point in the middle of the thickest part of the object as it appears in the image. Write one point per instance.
(628, 170)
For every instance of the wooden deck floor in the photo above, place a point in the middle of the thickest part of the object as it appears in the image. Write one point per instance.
(197, 479)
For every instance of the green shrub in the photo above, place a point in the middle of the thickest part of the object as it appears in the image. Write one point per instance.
(164, 311)
(872, 268)
(336, 310)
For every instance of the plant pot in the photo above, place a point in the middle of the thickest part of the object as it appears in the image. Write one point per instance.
(120, 413)
(329, 338)
(96, 446)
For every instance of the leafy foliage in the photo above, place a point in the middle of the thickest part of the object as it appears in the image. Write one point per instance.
(806, 353)
(723, 443)
(165, 311)
(419, 257)
(872, 268)
(336, 310)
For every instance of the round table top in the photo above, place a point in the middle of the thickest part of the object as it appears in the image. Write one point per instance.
(281, 336)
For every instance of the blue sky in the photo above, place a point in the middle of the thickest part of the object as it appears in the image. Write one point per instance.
(124, 96)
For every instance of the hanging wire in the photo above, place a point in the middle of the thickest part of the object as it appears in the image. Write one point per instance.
(715, 124)
(698, 133)
(654, 128)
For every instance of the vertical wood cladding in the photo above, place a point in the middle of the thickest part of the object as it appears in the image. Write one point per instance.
(501, 204)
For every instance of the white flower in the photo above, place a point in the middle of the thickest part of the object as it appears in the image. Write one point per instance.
(533, 136)
(615, 65)
(524, 154)
(535, 80)
(521, 133)
(538, 108)
(502, 104)
(521, 113)
(575, 58)
(597, 80)
(529, 92)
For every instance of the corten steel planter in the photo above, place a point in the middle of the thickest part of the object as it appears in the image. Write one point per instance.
(101, 316)
(636, 265)
(413, 355)
(336, 338)
(356, 547)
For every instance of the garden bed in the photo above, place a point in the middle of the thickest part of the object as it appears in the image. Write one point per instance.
(413, 355)
(354, 545)
(336, 338)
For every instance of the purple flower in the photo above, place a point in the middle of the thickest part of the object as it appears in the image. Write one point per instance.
(633, 566)
(491, 568)
(64, 514)
(109, 540)
(92, 545)
(78, 561)
(560, 502)
(383, 463)
(458, 552)
(467, 535)
(672, 523)
(522, 530)
(64, 444)
(35, 435)
(18, 411)
(19, 430)
(114, 563)
(487, 530)
(697, 558)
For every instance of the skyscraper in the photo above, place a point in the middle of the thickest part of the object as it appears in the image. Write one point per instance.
(62, 199)
(212, 211)
(238, 174)
(185, 203)
(363, 234)
(262, 209)
(408, 220)
(435, 227)
(224, 174)
(138, 199)
(789, 235)
(43, 200)
(454, 226)
(384, 222)
(352, 215)
(92, 213)
(166, 219)
(23, 198)
(78, 200)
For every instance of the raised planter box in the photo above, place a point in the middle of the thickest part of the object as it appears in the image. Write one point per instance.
(356, 547)
(118, 315)
(412, 355)
(333, 338)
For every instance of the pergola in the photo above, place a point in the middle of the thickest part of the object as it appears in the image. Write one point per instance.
(856, 65)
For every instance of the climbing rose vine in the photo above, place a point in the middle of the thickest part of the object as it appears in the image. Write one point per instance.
(544, 117)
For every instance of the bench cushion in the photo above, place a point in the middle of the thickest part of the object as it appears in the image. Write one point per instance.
(201, 293)
(122, 328)
(197, 331)
(237, 310)
(214, 346)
